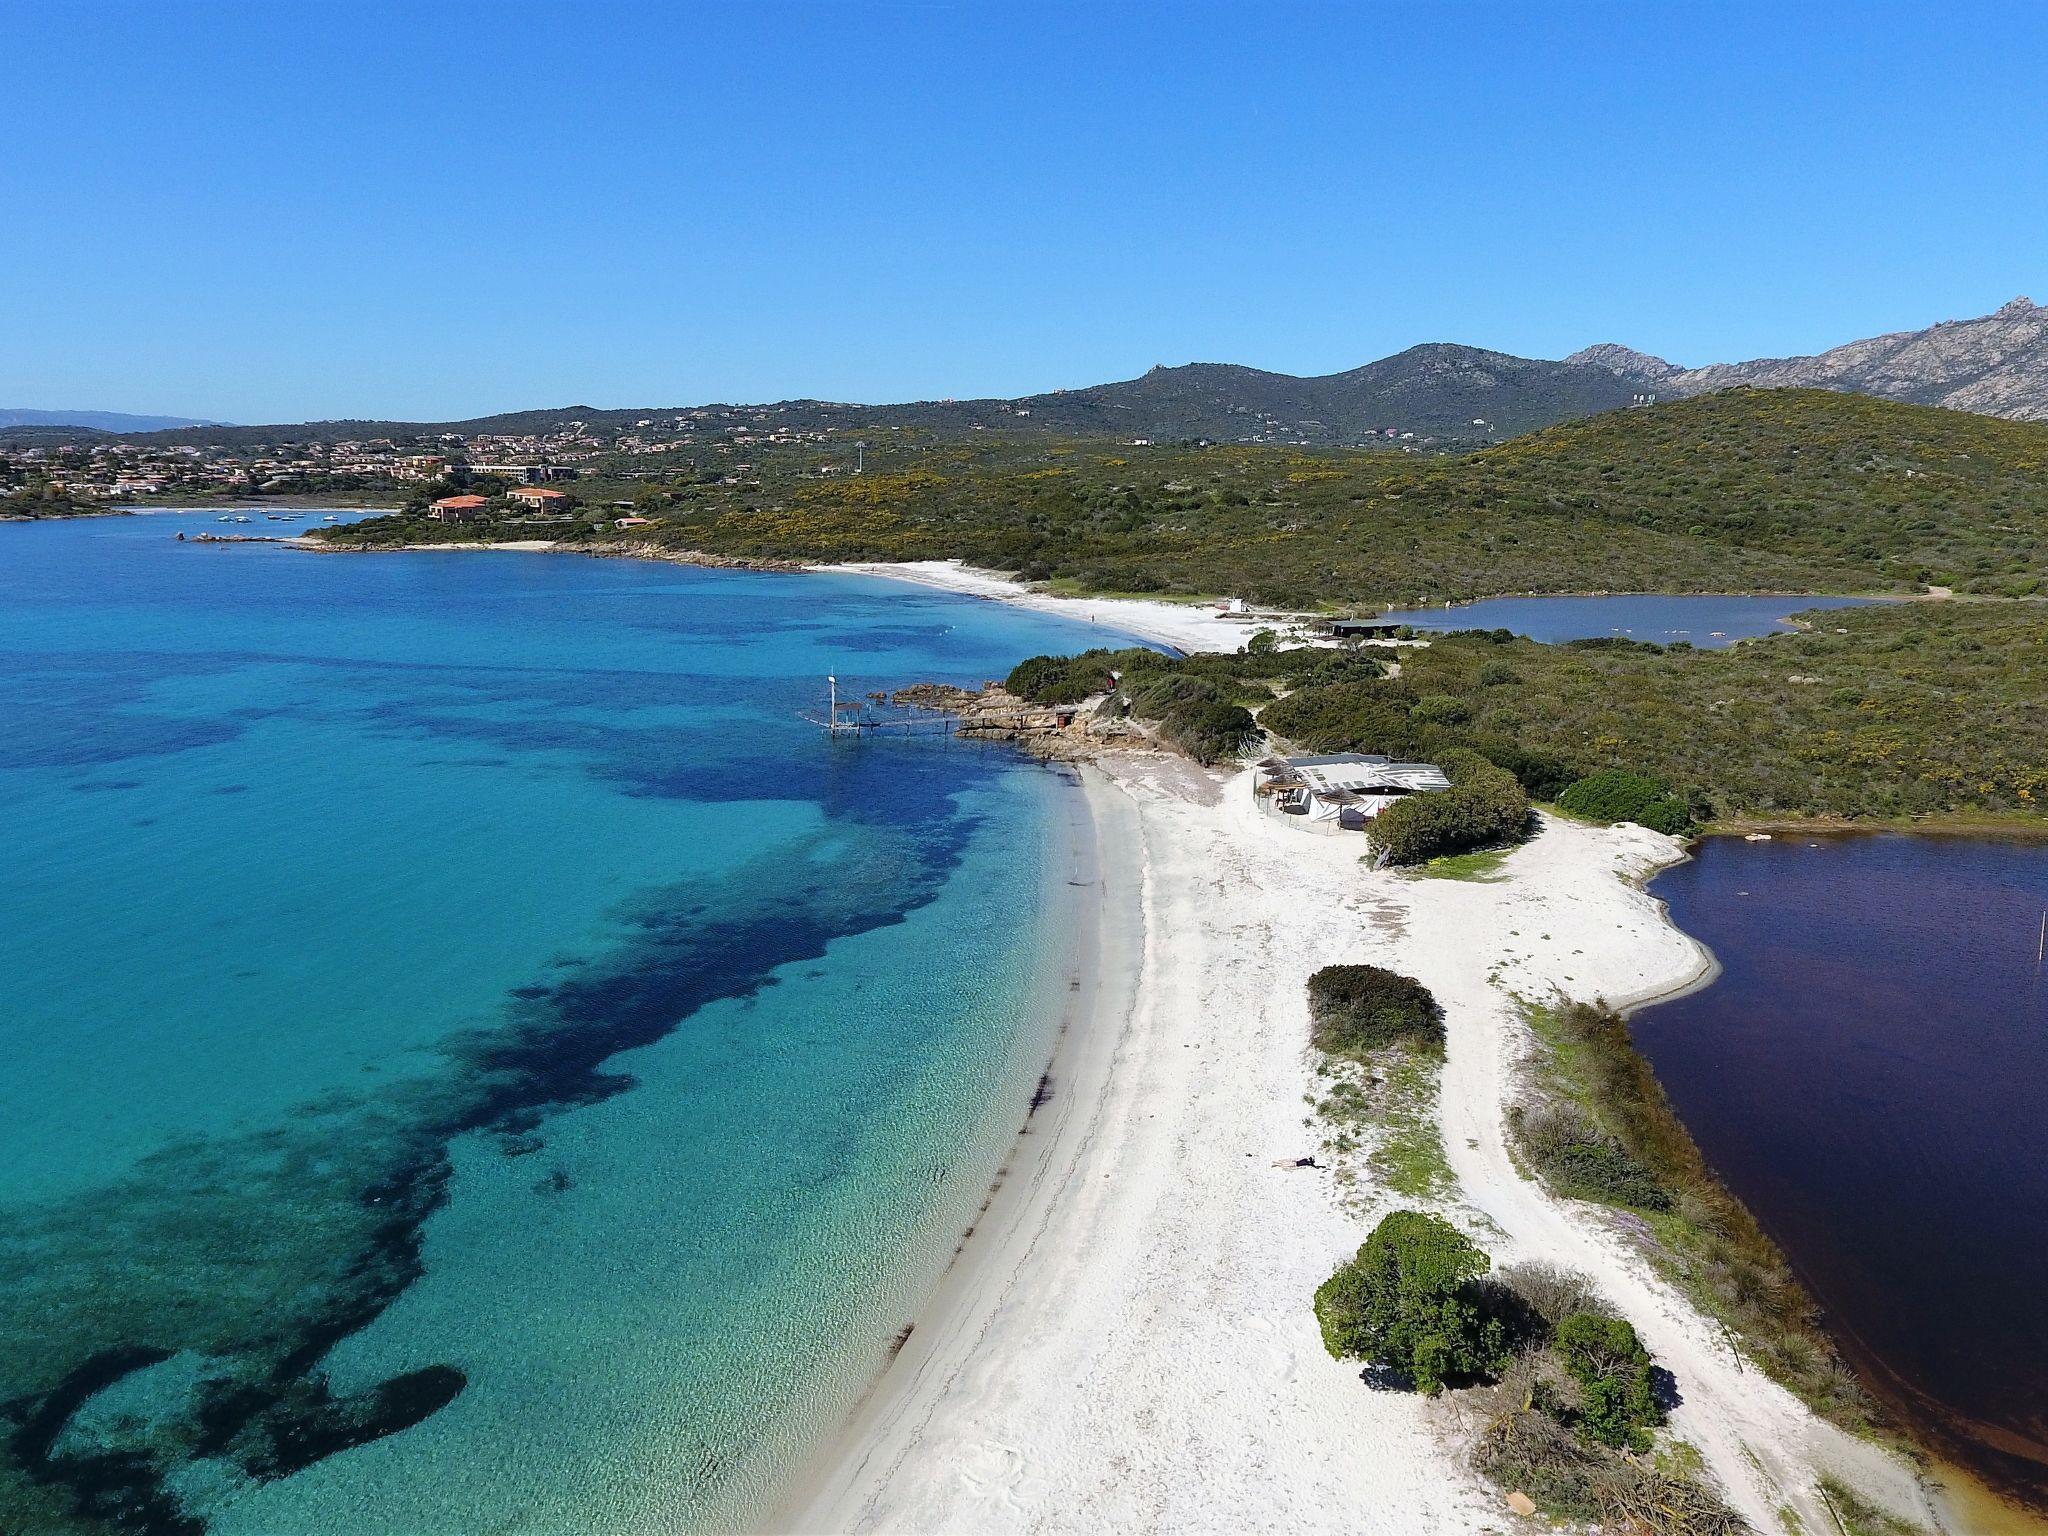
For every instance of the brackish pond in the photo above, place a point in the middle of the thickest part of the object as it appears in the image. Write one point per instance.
(1708, 620)
(1867, 1074)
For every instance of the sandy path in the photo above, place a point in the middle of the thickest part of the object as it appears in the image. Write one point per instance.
(1144, 1357)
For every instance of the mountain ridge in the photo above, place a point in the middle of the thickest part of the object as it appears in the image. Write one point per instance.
(1440, 394)
(1994, 365)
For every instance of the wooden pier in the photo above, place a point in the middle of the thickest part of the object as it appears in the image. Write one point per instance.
(877, 712)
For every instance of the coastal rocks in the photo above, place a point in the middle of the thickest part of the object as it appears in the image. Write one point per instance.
(1055, 732)
(641, 550)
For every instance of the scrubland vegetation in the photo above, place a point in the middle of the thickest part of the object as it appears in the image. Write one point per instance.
(1357, 1009)
(1894, 711)
(1569, 1398)
(1749, 490)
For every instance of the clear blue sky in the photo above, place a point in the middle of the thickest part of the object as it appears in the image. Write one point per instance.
(271, 211)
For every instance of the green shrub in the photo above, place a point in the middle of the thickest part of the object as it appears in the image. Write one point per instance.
(1353, 716)
(1583, 1161)
(1617, 795)
(1354, 1009)
(1407, 1303)
(1617, 1402)
(1441, 709)
(1541, 776)
(1070, 679)
(1484, 805)
(1210, 729)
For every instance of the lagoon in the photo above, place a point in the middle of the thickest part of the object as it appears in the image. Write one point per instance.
(1705, 620)
(477, 1059)
(1866, 1074)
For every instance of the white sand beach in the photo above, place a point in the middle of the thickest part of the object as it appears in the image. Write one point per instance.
(1186, 627)
(1128, 1344)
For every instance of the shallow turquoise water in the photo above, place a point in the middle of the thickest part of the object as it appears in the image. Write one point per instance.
(478, 1061)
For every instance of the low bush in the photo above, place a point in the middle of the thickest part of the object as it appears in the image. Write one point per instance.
(1541, 776)
(1579, 1159)
(1352, 715)
(1550, 1292)
(1210, 729)
(1616, 795)
(1617, 1402)
(1407, 1303)
(1485, 804)
(1356, 1009)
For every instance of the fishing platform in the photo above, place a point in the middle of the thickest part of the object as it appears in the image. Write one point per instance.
(877, 712)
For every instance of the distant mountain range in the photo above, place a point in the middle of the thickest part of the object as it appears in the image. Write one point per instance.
(1995, 365)
(96, 421)
(1454, 395)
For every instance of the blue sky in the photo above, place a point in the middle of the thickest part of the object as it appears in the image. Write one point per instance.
(274, 211)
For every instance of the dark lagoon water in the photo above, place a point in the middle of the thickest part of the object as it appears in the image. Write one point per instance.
(1707, 621)
(1868, 1074)
(474, 1059)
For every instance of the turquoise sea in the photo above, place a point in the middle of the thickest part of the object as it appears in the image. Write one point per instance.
(475, 1059)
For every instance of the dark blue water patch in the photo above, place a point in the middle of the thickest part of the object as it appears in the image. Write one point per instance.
(68, 711)
(346, 1187)
(71, 741)
(1866, 1076)
(101, 786)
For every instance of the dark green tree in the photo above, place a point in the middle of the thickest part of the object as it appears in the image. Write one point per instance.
(1407, 1303)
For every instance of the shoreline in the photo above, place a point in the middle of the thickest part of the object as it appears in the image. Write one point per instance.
(1134, 1347)
(1186, 627)
(820, 1494)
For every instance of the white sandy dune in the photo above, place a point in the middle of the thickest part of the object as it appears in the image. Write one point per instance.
(1132, 1349)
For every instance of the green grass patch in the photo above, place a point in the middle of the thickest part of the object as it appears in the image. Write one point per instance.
(1409, 1157)
(1384, 1104)
(1482, 867)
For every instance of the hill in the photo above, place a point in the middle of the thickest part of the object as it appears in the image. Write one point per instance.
(1439, 390)
(1450, 396)
(96, 421)
(1439, 396)
(1748, 490)
(1996, 364)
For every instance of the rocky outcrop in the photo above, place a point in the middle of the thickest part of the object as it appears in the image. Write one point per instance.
(1060, 732)
(1996, 365)
(1626, 363)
